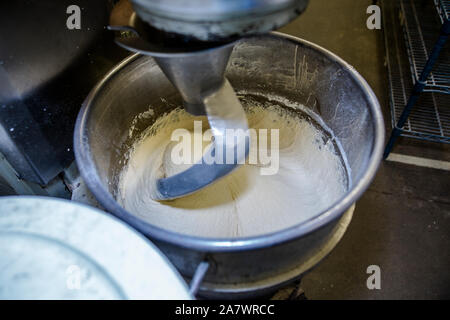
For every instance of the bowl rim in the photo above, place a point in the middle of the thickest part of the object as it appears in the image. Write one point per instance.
(87, 168)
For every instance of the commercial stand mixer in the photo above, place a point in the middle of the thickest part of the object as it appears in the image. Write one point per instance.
(191, 41)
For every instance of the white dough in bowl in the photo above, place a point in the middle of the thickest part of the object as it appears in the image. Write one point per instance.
(311, 177)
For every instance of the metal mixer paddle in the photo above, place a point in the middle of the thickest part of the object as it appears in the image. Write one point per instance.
(221, 118)
(198, 74)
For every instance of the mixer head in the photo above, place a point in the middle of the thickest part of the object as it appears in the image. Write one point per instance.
(194, 67)
(212, 20)
(191, 41)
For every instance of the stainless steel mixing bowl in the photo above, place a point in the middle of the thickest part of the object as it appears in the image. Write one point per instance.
(274, 64)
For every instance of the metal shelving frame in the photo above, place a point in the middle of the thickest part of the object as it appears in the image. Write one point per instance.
(420, 101)
(418, 32)
(443, 8)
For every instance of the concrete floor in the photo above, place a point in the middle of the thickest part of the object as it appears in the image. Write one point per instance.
(402, 222)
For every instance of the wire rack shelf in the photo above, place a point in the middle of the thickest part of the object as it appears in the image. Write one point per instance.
(421, 27)
(443, 8)
(430, 118)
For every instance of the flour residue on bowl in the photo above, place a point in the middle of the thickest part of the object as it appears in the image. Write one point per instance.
(312, 176)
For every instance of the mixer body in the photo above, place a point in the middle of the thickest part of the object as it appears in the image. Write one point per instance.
(191, 40)
(167, 30)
